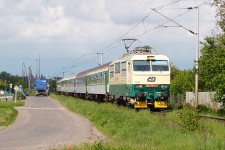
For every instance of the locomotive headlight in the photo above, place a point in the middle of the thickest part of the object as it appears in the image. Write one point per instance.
(150, 57)
(164, 86)
(138, 86)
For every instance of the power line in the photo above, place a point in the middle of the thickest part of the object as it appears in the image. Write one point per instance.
(171, 20)
(119, 40)
(162, 25)
(179, 25)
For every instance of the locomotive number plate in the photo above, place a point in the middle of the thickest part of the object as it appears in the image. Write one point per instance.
(160, 104)
(152, 85)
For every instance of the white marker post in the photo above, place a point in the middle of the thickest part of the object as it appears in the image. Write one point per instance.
(16, 88)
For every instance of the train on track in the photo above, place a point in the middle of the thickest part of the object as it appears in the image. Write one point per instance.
(139, 79)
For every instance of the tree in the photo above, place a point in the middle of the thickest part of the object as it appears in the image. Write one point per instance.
(182, 82)
(212, 64)
(220, 5)
(11, 79)
(3, 85)
(212, 60)
(53, 86)
(5, 76)
(174, 71)
(21, 82)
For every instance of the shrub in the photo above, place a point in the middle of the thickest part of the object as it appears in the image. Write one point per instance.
(204, 109)
(188, 119)
(221, 112)
(19, 96)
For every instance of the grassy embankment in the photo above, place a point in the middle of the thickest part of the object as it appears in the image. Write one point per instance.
(131, 130)
(8, 113)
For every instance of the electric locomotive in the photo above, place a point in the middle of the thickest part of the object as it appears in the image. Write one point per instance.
(140, 79)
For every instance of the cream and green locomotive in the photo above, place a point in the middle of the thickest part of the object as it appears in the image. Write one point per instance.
(139, 79)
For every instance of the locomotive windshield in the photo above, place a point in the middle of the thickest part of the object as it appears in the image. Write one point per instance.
(141, 65)
(153, 65)
(160, 65)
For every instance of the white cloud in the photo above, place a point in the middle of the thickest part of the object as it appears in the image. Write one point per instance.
(64, 30)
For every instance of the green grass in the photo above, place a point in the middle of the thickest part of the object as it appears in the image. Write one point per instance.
(8, 113)
(143, 130)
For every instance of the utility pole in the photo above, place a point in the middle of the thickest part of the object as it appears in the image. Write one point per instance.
(196, 59)
(101, 57)
(22, 71)
(39, 67)
(197, 48)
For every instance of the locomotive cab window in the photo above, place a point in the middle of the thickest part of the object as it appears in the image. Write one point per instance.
(160, 65)
(141, 65)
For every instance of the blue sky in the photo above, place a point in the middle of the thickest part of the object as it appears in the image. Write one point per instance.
(68, 34)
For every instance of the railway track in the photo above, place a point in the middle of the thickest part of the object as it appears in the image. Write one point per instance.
(219, 119)
(161, 112)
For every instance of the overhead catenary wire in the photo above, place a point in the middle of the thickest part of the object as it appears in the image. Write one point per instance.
(118, 42)
(179, 25)
(161, 25)
(172, 20)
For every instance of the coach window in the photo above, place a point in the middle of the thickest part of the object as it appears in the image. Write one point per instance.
(117, 68)
(96, 79)
(111, 70)
(88, 80)
(160, 65)
(93, 79)
(123, 69)
(101, 79)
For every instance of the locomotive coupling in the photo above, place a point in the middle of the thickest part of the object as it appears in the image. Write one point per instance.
(132, 101)
(164, 95)
(140, 95)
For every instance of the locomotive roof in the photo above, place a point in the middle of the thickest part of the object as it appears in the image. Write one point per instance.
(93, 70)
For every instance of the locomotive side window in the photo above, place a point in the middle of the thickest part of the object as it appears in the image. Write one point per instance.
(123, 69)
(117, 68)
(111, 70)
(141, 65)
(160, 65)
